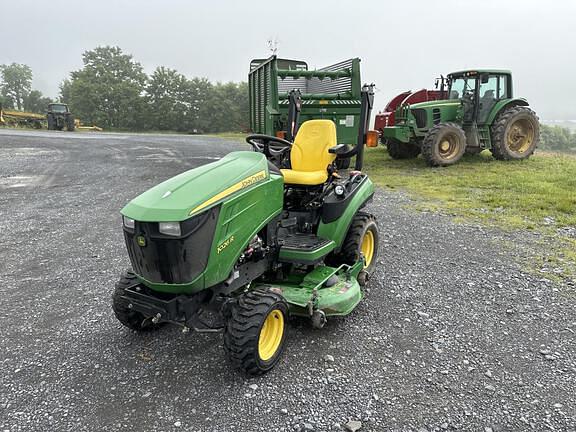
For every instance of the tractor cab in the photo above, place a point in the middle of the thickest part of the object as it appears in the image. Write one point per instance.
(58, 108)
(479, 92)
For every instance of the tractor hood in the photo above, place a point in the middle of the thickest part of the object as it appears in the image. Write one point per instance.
(180, 197)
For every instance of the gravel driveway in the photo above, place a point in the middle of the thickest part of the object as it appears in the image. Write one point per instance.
(452, 333)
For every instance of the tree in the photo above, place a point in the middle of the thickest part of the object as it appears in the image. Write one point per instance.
(16, 84)
(166, 95)
(108, 90)
(197, 96)
(36, 102)
(65, 90)
(227, 107)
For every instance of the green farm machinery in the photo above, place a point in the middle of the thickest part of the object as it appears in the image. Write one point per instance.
(480, 113)
(59, 117)
(285, 93)
(241, 244)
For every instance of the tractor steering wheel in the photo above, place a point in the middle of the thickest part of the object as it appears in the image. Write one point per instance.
(261, 143)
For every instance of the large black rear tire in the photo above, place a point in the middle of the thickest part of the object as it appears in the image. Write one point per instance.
(129, 318)
(400, 150)
(515, 133)
(255, 332)
(444, 145)
(362, 240)
(70, 126)
(50, 121)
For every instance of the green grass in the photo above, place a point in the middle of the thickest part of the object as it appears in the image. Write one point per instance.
(537, 194)
(530, 194)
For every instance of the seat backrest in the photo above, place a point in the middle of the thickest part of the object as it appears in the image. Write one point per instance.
(310, 149)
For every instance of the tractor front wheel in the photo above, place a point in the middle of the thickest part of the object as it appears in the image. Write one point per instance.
(256, 330)
(444, 145)
(400, 150)
(515, 133)
(129, 318)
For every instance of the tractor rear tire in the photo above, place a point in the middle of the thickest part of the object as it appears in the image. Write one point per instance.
(255, 332)
(129, 318)
(515, 133)
(50, 121)
(444, 145)
(362, 240)
(400, 150)
(70, 126)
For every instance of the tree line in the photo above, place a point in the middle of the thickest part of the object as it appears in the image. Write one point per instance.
(557, 138)
(112, 91)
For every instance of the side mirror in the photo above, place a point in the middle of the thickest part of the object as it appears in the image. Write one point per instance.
(484, 78)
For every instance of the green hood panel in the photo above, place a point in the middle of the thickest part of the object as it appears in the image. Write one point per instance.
(192, 191)
(436, 104)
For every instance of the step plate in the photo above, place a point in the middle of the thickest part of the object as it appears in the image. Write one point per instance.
(304, 248)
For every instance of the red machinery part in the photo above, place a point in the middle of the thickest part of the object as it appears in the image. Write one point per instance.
(386, 117)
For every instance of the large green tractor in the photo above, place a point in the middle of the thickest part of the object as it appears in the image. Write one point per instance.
(242, 244)
(480, 113)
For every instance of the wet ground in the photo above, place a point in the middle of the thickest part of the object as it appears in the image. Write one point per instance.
(452, 334)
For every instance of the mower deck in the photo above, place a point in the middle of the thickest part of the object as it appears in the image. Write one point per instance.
(334, 291)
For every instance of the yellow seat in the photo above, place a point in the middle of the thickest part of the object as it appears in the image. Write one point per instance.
(309, 155)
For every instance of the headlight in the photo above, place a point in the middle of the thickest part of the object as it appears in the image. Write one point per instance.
(128, 223)
(339, 190)
(170, 228)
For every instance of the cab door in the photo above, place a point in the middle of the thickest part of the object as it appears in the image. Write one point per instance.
(493, 87)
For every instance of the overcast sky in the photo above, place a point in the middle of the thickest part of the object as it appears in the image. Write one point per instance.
(402, 44)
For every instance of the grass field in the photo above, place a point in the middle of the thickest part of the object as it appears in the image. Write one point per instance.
(540, 191)
(537, 194)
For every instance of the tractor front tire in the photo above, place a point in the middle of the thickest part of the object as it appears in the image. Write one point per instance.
(362, 240)
(127, 317)
(444, 145)
(255, 331)
(515, 133)
(400, 150)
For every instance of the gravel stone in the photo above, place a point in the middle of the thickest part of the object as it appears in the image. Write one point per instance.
(353, 426)
(62, 250)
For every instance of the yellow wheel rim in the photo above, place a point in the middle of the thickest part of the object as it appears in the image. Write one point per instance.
(520, 136)
(449, 147)
(271, 335)
(367, 247)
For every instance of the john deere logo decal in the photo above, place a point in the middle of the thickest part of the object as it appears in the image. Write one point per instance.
(247, 182)
(141, 241)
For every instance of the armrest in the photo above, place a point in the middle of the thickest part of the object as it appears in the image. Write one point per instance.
(339, 149)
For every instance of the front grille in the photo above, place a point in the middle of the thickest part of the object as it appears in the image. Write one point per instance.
(172, 260)
(436, 116)
(420, 116)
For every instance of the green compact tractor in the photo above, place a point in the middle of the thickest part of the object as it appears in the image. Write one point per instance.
(59, 117)
(480, 113)
(242, 244)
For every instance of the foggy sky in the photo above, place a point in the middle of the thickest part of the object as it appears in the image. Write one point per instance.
(403, 45)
